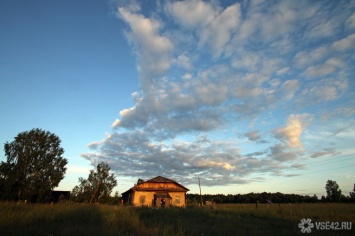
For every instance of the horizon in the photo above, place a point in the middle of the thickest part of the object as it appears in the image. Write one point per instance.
(248, 96)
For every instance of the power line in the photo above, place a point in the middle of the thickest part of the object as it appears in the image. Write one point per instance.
(342, 167)
(331, 161)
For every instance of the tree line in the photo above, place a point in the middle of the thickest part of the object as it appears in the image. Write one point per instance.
(333, 194)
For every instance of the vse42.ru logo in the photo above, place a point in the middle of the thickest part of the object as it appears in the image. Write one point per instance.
(306, 225)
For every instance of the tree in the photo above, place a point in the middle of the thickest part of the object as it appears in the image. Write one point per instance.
(333, 191)
(140, 181)
(352, 195)
(34, 166)
(97, 187)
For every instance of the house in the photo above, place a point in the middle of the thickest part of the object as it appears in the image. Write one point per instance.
(156, 192)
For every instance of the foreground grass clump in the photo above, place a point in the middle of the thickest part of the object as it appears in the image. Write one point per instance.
(236, 219)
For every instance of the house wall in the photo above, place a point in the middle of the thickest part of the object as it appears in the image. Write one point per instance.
(147, 195)
(177, 198)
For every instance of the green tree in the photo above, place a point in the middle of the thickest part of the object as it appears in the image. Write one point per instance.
(333, 191)
(352, 195)
(97, 187)
(140, 181)
(33, 168)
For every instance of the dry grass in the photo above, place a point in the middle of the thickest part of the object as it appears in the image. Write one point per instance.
(231, 219)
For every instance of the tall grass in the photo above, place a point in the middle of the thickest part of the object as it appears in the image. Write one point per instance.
(231, 219)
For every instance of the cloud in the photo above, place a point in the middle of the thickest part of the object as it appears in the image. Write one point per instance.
(209, 71)
(320, 70)
(324, 152)
(152, 48)
(350, 22)
(224, 165)
(191, 14)
(305, 58)
(291, 133)
(253, 135)
(281, 153)
(342, 129)
(345, 44)
(134, 154)
(184, 61)
(298, 166)
(213, 26)
(289, 88)
(220, 30)
(116, 123)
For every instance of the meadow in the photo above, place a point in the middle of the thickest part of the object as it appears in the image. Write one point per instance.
(226, 219)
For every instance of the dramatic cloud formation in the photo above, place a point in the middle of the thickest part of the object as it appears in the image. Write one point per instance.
(291, 134)
(210, 72)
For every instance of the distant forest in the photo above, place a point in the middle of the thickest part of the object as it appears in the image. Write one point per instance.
(263, 198)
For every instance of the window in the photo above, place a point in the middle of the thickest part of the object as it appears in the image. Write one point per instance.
(177, 200)
(142, 199)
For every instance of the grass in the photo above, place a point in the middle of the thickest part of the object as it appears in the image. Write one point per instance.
(229, 219)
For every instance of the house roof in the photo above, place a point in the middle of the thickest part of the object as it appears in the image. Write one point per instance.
(161, 179)
(158, 179)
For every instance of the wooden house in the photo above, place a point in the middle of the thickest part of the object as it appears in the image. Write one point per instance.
(156, 192)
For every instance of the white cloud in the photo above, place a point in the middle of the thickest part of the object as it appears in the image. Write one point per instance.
(305, 58)
(279, 22)
(248, 61)
(116, 123)
(350, 22)
(219, 31)
(191, 14)
(345, 44)
(152, 48)
(211, 93)
(320, 70)
(323, 29)
(93, 144)
(207, 72)
(283, 71)
(223, 165)
(291, 133)
(184, 61)
(212, 25)
(326, 92)
(336, 62)
(289, 88)
(134, 116)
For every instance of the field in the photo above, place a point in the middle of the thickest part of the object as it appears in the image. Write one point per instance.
(231, 219)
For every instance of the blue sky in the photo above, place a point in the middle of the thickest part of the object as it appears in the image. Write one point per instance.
(248, 96)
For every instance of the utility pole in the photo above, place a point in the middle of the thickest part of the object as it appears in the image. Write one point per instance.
(199, 185)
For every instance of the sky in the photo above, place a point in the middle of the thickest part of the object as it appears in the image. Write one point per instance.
(247, 96)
